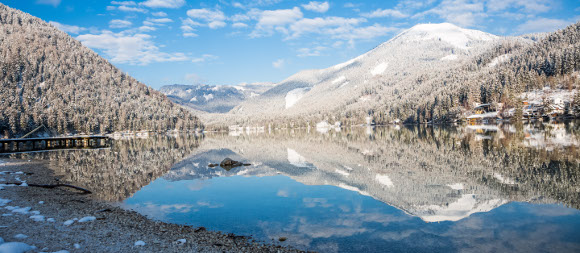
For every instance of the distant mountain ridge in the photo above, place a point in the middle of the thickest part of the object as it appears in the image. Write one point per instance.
(213, 98)
(52, 79)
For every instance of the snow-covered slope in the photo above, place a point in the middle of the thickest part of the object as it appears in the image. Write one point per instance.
(388, 73)
(213, 98)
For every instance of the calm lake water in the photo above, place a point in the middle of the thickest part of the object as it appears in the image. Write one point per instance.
(480, 188)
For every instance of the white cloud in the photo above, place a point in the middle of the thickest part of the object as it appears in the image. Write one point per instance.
(316, 51)
(67, 28)
(216, 24)
(206, 14)
(239, 25)
(123, 3)
(160, 20)
(542, 25)
(327, 25)
(147, 28)
(159, 14)
(131, 9)
(203, 58)
(279, 17)
(118, 23)
(528, 6)
(164, 3)
(365, 33)
(189, 35)
(239, 17)
(379, 13)
(54, 3)
(460, 12)
(278, 63)
(130, 49)
(321, 7)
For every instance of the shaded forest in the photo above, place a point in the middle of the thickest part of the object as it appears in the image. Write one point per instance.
(49, 78)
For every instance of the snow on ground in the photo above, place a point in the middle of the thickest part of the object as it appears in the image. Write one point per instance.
(451, 57)
(296, 159)
(457, 186)
(208, 97)
(499, 59)
(352, 188)
(385, 180)
(504, 180)
(379, 69)
(68, 222)
(181, 241)
(556, 95)
(20, 236)
(15, 247)
(294, 95)
(37, 218)
(87, 219)
(139, 243)
(342, 172)
(452, 34)
(339, 79)
(3, 202)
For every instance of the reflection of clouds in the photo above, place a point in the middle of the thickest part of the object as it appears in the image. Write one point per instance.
(553, 210)
(314, 202)
(160, 211)
(197, 185)
(283, 193)
(209, 204)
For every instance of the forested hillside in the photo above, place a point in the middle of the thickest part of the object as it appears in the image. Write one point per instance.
(429, 73)
(50, 78)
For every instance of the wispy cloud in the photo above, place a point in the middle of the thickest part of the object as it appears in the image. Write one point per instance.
(118, 23)
(320, 7)
(204, 58)
(164, 3)
(212, 18)
(278, 63)
(135, 49)
(542, 25)
(54, 3)
(379, 13)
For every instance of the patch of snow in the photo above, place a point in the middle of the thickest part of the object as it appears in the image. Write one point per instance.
(342, 172)
(181, 241)
(20, 236)
(3, 202)
(294, 95)
(87, 219)
(499, 59)
(139, 243)
(41, 202)
(15, 247)
(23, 210)
(452, 34)
(7, 214)
(37, 218)
(504, 180)
(252, 94)
(339, 79)
(451, 57)
(68, 222)
(50, 220)
(208, 97)
(193, 99)
(385, 180)
(77, 246)
(352, 188)
(457, 186)
(61, 251)
(379, 69)
(296, 159)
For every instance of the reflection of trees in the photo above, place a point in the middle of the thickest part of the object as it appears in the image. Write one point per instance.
(422, 170)
(117, 173)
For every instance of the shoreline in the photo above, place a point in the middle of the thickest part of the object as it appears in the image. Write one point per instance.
(64, 219)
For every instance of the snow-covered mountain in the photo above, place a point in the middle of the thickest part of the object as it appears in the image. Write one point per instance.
(390, 73)
(213, 98)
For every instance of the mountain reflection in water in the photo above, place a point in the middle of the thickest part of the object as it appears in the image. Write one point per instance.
(435, 189)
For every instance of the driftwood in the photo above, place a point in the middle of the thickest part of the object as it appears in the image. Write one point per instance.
(51, 186)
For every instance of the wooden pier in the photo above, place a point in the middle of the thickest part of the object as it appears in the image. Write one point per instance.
(52, 143)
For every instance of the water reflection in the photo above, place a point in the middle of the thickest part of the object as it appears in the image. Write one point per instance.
(446, 189)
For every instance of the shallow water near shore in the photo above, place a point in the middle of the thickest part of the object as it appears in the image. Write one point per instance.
(363, 189)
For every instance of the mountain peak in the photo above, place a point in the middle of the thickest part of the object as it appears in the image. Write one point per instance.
(447, 32)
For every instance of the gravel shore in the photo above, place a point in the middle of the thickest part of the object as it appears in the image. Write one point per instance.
(61, 218)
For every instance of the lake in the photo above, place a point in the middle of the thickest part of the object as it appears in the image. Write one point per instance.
(482, 188)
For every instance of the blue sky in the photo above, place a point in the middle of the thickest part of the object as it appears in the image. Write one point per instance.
(163, 42)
